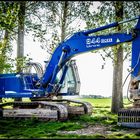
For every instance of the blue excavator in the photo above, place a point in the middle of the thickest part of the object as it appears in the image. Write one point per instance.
(60, 78)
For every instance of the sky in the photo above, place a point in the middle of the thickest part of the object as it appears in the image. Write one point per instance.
(94, 79)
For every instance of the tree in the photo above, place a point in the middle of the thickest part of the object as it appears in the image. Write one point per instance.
(60, 18)
(109, 12)
(8, 16)
(117, 96)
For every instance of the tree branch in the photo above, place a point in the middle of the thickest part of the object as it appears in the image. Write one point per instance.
(109, 55)
(125, 57)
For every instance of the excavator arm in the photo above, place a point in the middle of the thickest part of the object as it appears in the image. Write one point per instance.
(83, 42)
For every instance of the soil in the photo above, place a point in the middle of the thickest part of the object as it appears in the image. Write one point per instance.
(98, 129)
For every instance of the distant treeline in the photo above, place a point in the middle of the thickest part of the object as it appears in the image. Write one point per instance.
(92, 96)
(97, 96)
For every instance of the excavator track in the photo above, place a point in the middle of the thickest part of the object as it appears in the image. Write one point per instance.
(74, 107)
(35, 109)
(45, 109)
(129, 117)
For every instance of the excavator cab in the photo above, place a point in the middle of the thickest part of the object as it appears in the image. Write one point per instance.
(71, 83)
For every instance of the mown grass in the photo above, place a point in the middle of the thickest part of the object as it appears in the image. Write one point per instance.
(103, 102)
(33, 128)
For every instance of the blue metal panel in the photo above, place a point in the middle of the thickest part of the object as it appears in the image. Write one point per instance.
(14, 86)
(2, 86)
(10, 82)
(11, 94)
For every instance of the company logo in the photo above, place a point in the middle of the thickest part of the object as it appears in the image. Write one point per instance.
(95, 42)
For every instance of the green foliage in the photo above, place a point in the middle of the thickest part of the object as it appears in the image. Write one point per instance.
(99, 116)
(51, 22)
(21, 62)
(5, 60)
(34, 128)
(8, 15)
(121, 135)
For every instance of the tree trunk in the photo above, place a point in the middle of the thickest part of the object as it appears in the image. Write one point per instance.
(4, 51)
(63, 26)
(64, 18)
(20, 42)
(117, 95)
(4, 44)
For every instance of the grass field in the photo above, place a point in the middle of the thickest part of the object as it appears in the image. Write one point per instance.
(103, 102)
(101, 119)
